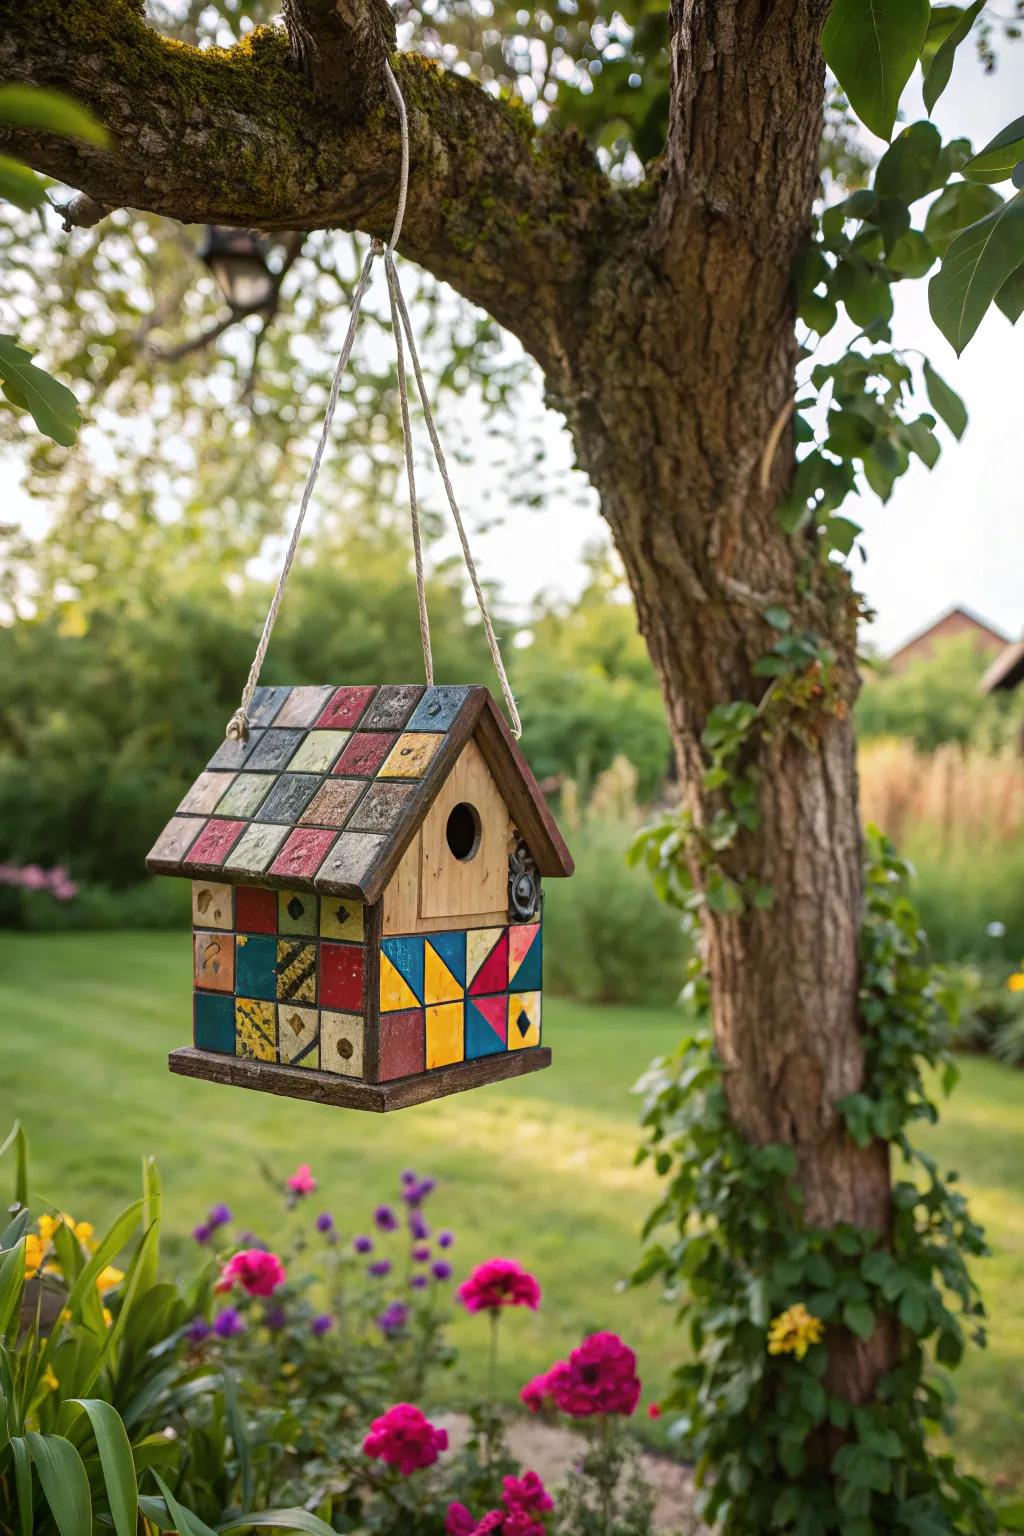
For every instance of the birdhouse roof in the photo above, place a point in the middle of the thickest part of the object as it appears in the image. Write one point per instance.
(332, 784)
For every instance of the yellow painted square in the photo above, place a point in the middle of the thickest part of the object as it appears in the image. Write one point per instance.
(410, 755)
(445, 1034)
(395, 992)
(341, 1043)
(439, 985)
(341, 919)
(298, 1042)
(523, 1005)
(255, 1029)
(212, 905)
(319, 751)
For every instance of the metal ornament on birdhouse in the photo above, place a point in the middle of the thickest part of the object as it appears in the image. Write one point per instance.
(366, 861)
(366, 897)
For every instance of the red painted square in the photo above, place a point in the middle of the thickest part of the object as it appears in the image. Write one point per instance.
(365, 752)
(303, 853)
(402, 1049)
(341, 977)
(215, 842)
(255, 910)
(345, 708)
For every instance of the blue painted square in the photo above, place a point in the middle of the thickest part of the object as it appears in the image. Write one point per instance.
(255, 961)
(438, 708)
(528, 977)
(214, 1021)
(266, 704)
(406, 955)
(481, 1037)
(452, 949)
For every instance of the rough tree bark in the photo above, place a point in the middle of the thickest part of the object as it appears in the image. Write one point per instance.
(663, 319)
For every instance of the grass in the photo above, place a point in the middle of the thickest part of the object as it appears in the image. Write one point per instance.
(540, 1169)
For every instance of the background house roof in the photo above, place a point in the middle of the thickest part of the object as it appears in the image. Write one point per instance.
(332, 784)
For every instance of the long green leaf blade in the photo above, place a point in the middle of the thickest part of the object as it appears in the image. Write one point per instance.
(51, 404)
(946, 401)
(116, 1460)
(23, 1484)
(936, 76)
(17, 1139)
(281, 1519)
(29, 106)
(871, 46)
(996, 161)
(64, 1481)
(12, 1280)
(975, 267)
(186, 1522)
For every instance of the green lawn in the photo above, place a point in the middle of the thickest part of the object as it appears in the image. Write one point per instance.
(540, 1169)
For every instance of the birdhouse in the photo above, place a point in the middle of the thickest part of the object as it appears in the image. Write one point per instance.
(366, 876)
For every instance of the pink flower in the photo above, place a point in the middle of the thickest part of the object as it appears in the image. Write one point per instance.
(302, 1180)
(526, 1492)
(519, 1522)
(255, 1270)
(654, 1410)
(499, 1283)
(459, 1521)
(600, 1378)
(541, 1391)
(405, 1438)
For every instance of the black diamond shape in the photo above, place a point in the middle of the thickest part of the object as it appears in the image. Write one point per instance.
(342, 914)
(295, 909)
(523, 1023)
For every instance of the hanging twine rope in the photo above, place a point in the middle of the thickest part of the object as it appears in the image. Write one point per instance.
(237, 728)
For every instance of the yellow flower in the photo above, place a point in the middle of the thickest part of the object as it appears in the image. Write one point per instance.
(794, 1331)
(34, 1251)
(49, 1380)
(82, 1230)
(108, 1317)
(1016, 982)
(108, 1278)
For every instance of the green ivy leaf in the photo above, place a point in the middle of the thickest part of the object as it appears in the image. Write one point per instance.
(975, 267)
(908, 165)
(52, 405)
(996, 161)
(936, 75)
(859, 1317)
(29, 106)
(867, 297)
(1010, 297)
(946, 401)
(20, 186)
(959, 204)
(871, 46)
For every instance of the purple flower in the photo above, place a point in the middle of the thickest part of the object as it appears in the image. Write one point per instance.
(275, 1318)
(442, 1270)
(363, 1244)
(325, 1222)
(203, 1232)
(385, 1218)
(418, 1227)
(445, 1239)
(322, 1324)
(421, 1254)
(415, 1194)
(219, 1216)
(393, 1319)
(408, 1176)
(198, 1330)
(379, 1267)
(229, 1323)
(418, 1282)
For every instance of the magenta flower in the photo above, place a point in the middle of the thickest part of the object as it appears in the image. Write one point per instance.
(459, 1521)
(526, 1492)
(499, 1283)
(405, 1438)
(599, 1378)
(255, 1270)
(540, 1392)
(228, 1323)
(302, 1181)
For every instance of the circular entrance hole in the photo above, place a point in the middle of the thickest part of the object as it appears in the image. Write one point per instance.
(463, 831)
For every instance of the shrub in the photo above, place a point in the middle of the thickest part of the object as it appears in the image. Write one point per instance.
(937, 700)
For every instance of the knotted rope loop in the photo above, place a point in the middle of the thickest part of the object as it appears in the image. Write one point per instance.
(238, 726)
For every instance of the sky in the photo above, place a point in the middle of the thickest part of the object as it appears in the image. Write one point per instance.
(952, 536)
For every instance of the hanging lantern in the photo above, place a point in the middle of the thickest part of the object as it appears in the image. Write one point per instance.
(238, 260)
(366, 897)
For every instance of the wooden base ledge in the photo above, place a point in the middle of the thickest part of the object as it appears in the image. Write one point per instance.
(348, 1092)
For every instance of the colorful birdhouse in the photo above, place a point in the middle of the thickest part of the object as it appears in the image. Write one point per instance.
(366, 897)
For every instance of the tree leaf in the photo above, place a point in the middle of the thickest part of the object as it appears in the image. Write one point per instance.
(19, 185)
(974, 269)
(64, 1481)
(996, 161)
(907, 168)
(116, 1460)
(29, 106)
(53, 407)
(946, 401)
(871, 46)
(12, 1278)
(1010, 297)
(936, 76)
(959, 204)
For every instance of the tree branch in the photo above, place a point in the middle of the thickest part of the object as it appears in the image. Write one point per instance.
(340, 46)
(237, 136)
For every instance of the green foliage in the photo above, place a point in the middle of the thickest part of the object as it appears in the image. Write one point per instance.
(788, 1453)
(51, 404)
(872, 49)
(935, 700)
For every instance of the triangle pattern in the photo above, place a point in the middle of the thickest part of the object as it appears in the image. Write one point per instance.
(479, 943)
(524, 958)
(495, 1011)
(452, 949)
(406, 955)
(395, 992)
(439, 985)
(482, 1037)
(492, 975)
